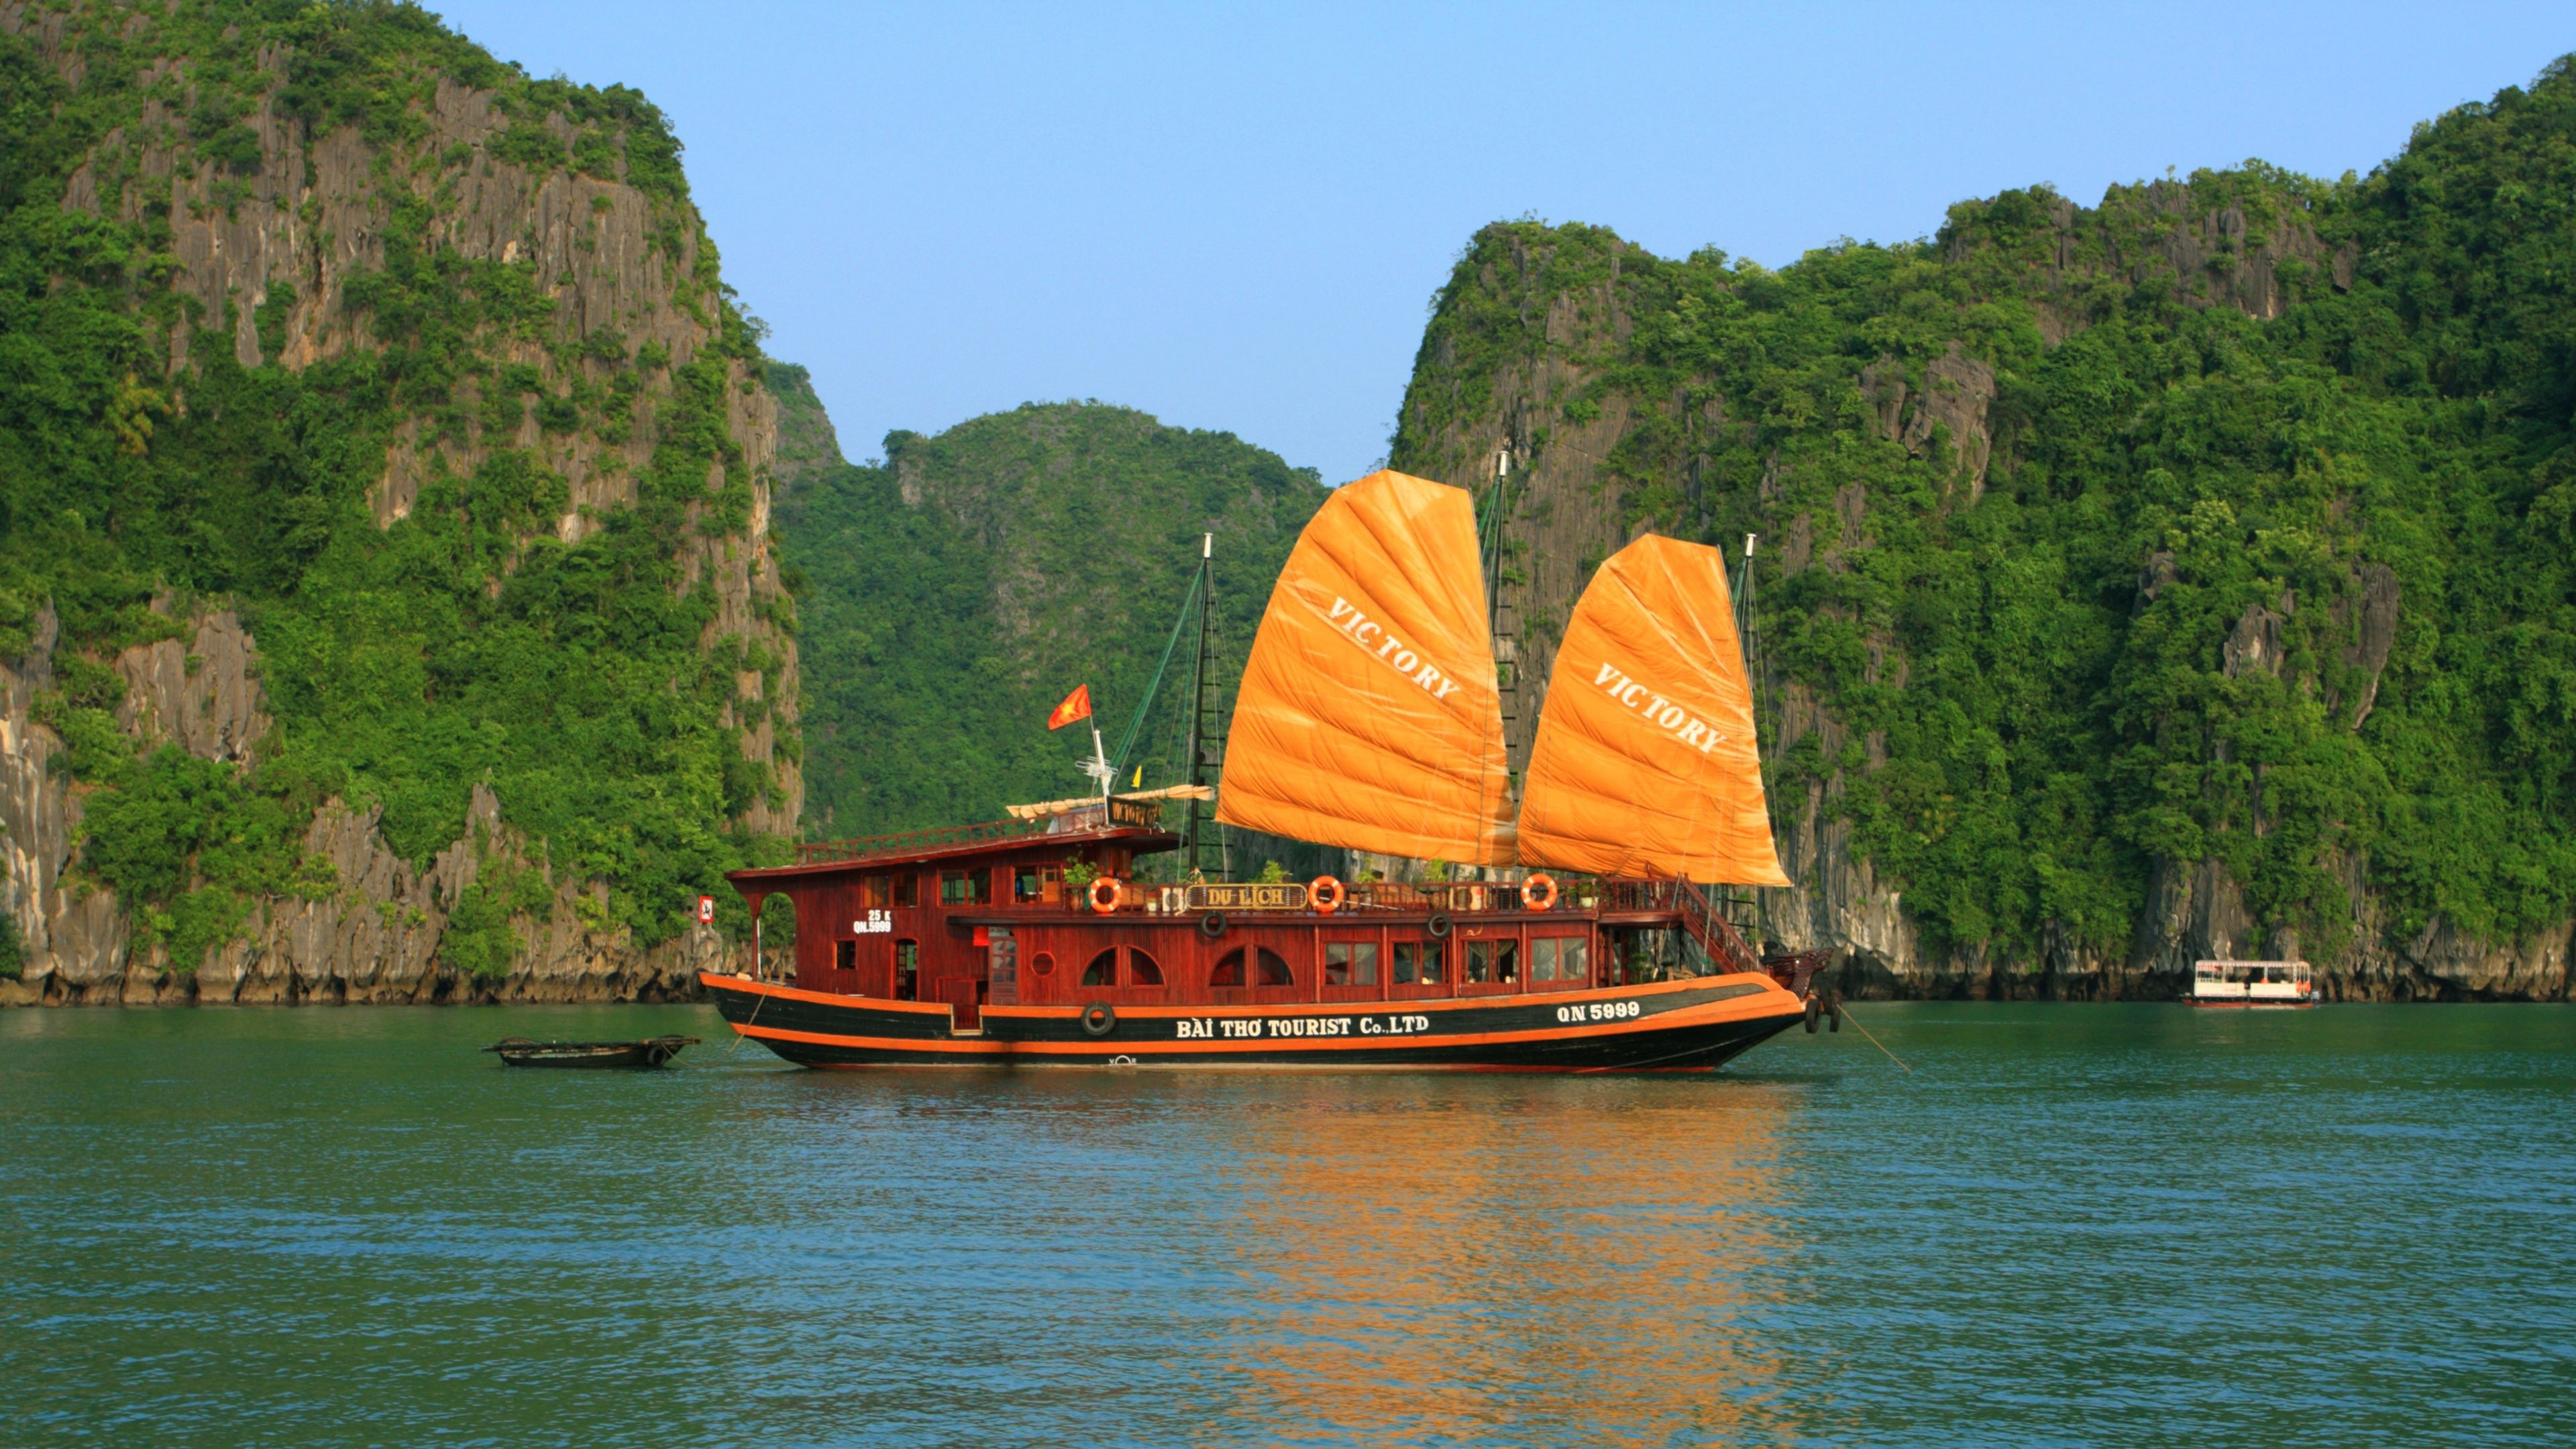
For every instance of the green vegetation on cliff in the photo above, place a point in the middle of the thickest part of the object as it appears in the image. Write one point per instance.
(157, 458)
(961, 588)
(2232, 521)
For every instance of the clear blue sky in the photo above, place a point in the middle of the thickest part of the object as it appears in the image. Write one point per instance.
(1235, 217)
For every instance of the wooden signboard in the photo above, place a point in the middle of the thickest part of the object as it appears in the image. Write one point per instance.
(1249, 896)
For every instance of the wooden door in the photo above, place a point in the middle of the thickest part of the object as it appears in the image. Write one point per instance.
(964, 993)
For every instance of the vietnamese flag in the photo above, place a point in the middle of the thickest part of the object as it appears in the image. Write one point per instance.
(1077, 705)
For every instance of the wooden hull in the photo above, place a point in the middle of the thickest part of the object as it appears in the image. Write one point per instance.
(590, 1055)
(1694, 1025)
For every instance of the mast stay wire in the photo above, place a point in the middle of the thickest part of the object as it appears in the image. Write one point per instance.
(1136, 724)
(1197, 605)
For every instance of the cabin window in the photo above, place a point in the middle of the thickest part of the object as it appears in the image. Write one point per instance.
(845, 955)
(1043, 963)
(1493, 961)
(1103, 970)
(965, 888)
(1273, 968)
(907, 891)
(1350, 963)
(870, 892)
(1229, 969)
(1143, 970)
(907, 971)
(1559, 958)
(1418, 962)
(1024, 885)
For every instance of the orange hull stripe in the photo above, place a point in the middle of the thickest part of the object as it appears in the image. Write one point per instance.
(1711, 1013)
(825, 998)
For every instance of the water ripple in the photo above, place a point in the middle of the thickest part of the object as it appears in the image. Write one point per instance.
(2070, 1225)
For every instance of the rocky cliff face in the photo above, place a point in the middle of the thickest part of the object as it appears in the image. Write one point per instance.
(1569, 355)
(373, 937)
(807, 441)
(274, 245)
(66, 930)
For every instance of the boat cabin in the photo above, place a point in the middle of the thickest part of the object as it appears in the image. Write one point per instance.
(2251, 983)
(1046, 912)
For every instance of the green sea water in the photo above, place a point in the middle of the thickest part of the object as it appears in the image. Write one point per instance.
(2128, 1224)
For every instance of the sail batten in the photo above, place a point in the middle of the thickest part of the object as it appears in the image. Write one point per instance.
(1645, 761)
(1368, 717)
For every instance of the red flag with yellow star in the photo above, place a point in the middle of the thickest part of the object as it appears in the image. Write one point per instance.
(1077, 705)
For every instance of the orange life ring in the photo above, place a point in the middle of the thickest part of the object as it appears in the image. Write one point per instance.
(1325, 894)
(1104, 893)
(1538, 893)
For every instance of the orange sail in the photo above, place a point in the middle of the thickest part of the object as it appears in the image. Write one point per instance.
(1368, 716)
(1645, 761)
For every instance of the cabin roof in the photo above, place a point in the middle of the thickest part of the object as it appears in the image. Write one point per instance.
(953, 843)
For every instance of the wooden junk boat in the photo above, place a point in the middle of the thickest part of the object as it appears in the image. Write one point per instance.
(1369, 717)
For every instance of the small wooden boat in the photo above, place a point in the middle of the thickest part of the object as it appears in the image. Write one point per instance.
(520, 1051)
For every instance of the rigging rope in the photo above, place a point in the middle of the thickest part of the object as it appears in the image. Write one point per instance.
(1873, 1041)
(1136, 725)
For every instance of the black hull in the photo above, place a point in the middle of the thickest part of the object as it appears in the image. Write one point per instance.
(590, 1055)
(1672, 1026)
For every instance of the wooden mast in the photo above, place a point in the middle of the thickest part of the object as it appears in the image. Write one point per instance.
(1500, 624)
(1207, 732)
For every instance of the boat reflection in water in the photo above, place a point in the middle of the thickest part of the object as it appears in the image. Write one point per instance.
(1570, 1261)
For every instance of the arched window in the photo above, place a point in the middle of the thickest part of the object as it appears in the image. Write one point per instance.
(1142, 970)
(1103, 970)
(1274, 971)
(1229, 969)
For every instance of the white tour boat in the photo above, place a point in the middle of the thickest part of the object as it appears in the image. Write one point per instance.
(2252, 983)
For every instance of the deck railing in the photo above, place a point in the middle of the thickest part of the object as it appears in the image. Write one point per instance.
(1456, 898)
(1716, 934)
